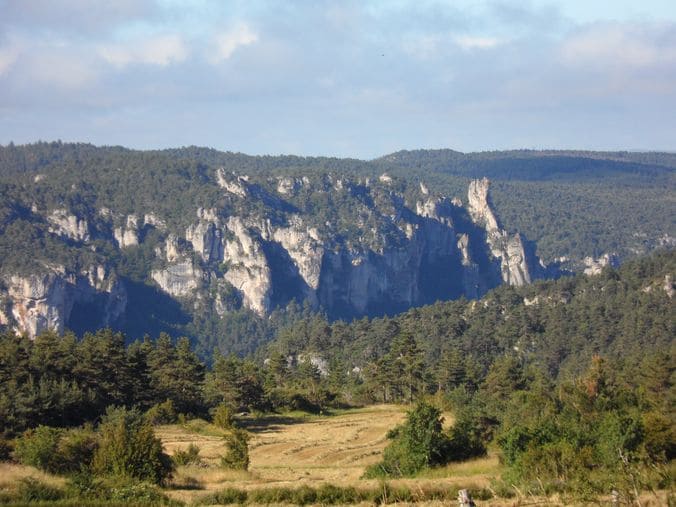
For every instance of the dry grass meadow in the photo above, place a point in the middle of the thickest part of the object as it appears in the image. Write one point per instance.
(297, 450)
(294, 450)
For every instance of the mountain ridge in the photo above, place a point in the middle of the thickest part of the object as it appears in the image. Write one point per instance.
(350, 237)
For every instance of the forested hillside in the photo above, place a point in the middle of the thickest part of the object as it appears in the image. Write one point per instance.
(625, 316)
(557, 325)
(204, 243)
(571, 381)
(571, 203)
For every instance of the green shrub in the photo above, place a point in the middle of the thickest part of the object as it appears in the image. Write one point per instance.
(387, 494)
(83, 484)
(6, 450)
(298, 401)
(328, 494)
(39, 448)
(113, 491)
(162, 413)
(465, 439)
(131, 491)
(33, 490)
(76, 449)
(56, 450)
(419, 443)
(237, 456)
(128, 448)
(226, 496)
(189, 456)
(223, 417)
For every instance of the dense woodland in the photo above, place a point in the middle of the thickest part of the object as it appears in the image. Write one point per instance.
(572, 380)
(569, 380)
(571, 204)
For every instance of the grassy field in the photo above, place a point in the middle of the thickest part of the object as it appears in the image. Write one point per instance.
(298, 450)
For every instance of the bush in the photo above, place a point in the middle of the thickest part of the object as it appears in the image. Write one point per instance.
(76, 449)
(113, 491)
(33, 490)
(162, 413)
(6, 450)
(387, 494)
(83, 484)
(298, 401)
(226, 496)
(128, 448)
(190, 456)
(328, 494)
(39, 448)
(223, 417)
(292, 400)
(419, 443)
(237, 456)
(132, 492)
(465, 439)
(55, 450)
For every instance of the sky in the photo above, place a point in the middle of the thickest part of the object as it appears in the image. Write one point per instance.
(340, 78)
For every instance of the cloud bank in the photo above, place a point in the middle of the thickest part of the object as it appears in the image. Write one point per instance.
(350, 79)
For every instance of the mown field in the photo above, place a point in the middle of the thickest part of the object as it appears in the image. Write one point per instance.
(301, 450)
(298, 450)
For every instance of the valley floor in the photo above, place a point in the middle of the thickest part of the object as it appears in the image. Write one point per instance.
(301, 450)
(295, 450)
(292, 451)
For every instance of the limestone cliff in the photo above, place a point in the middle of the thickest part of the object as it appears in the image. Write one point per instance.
(128, 235)
(66, 224)
(517, 266)
(435, 252)
(179, 279)
(261, 245)
(248, 270)
(33, 303)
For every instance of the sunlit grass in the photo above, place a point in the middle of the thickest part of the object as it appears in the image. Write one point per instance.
(483, 467)
(11, 475)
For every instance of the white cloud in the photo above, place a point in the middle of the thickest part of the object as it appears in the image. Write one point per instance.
(621, 45)
(60, 69)
(227, 43)
(161, 50)
(431, 45)
(469, 42)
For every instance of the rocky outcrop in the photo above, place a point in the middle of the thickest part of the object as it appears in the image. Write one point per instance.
(34, 303)
(129, 234)
(172, 249)
(517, 265)
(435, 255)
(396, 254)
(305, 248)
(594, 265)
(236, 185)
(668, 286)
(180, 279)
(206, 236)
(66, 224)
(480, 207)
(248, 270)
(286, 186)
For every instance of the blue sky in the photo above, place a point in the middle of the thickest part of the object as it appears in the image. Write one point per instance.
(349, 78)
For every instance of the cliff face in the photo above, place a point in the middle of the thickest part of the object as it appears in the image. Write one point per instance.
(517, 265)
(383, 254)
(35, 303)
(437, 252)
